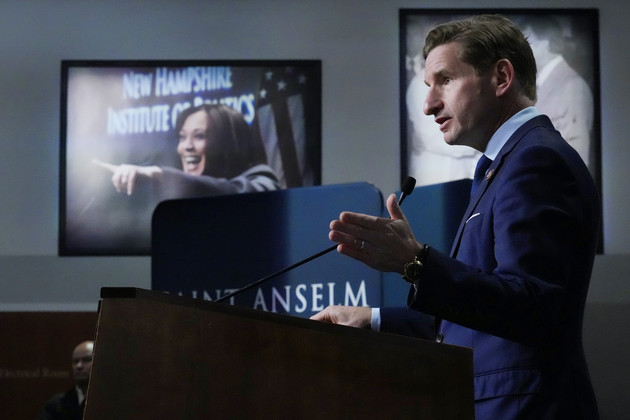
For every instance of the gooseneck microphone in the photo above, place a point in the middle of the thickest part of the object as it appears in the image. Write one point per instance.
(406, 189)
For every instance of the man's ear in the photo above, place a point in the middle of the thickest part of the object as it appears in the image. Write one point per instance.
(505, 76)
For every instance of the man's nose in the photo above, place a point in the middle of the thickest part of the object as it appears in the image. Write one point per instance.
(432, 104)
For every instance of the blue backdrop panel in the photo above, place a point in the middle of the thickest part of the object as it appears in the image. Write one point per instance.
(434, 212)
(207, 247)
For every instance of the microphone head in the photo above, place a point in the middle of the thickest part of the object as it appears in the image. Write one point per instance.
(408, 185)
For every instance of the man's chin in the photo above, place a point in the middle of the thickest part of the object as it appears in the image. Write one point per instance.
(455, 141)
(450, 140)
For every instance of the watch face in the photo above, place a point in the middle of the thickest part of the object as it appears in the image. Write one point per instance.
(412, 270)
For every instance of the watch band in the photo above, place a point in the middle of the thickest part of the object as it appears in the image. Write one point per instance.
(422, 255)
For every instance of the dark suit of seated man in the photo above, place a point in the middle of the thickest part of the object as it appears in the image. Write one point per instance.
(69, 405)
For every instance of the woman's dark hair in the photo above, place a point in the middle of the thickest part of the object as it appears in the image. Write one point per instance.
(231, 148)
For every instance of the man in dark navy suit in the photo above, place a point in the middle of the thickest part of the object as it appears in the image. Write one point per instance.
(514, 286)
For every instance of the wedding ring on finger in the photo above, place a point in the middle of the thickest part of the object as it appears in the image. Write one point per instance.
(361, 245)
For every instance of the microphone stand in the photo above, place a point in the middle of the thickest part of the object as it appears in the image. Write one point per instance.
(407, 188)
(277, 273)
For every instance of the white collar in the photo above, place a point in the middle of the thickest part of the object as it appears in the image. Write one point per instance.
(80, 394)
(503, 134)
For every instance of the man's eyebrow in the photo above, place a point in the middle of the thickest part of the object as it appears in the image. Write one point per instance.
(440, 74)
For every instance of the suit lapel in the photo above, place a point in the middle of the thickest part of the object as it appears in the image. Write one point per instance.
(492, 173)
(472, 205)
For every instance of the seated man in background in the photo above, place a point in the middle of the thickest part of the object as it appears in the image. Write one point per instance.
(69, 405)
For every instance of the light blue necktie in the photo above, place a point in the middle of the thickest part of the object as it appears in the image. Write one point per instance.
(480, 171)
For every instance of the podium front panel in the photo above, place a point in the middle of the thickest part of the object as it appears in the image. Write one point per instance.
(163, 356)
(208, 247)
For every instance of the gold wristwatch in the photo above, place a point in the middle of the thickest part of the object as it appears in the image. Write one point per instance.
(413, 269)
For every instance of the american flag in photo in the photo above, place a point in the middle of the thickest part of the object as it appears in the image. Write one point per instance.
(288, 122)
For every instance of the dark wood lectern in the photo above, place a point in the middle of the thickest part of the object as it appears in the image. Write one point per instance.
(159, 356)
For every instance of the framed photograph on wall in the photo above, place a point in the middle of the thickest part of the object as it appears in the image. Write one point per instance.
(135, 133)
(565, 43)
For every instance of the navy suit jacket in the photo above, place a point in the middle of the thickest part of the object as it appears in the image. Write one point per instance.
(515, 284)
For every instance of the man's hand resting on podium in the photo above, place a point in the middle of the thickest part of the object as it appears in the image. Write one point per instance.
(352, 316)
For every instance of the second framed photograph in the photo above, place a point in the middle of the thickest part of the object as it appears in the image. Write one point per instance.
(565, 44)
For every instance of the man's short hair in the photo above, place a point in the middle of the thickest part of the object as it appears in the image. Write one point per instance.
(486, 39)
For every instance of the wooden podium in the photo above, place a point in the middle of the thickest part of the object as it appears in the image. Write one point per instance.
(159, 356)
